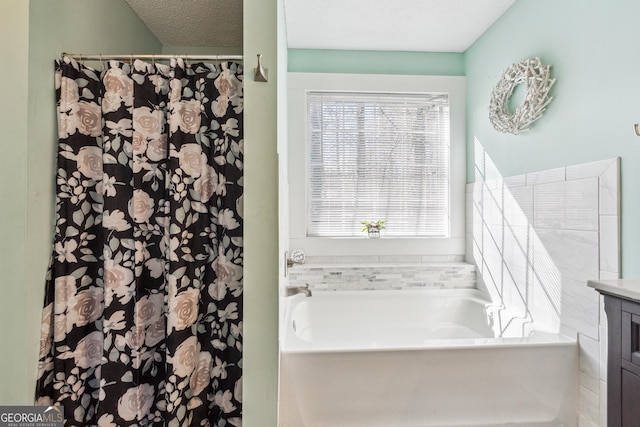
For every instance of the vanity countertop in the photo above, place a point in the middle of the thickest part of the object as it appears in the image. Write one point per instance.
(624, 288)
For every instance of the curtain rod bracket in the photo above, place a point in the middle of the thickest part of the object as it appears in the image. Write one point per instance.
(261, 73)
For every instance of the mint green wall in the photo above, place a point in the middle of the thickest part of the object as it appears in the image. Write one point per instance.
(593, 48)
(33, 34)
(375, 62)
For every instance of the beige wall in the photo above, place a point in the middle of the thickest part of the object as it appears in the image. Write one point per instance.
(261, 217)
(14, 344)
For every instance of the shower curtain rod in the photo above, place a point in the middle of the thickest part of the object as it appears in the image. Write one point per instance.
(260, 72)
(99, 57)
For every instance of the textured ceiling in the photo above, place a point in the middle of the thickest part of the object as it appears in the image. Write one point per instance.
(401, 25)
(192, 22)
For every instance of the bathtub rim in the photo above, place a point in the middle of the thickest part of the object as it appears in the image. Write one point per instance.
(471, 293)
(536, 339)
(291, 343)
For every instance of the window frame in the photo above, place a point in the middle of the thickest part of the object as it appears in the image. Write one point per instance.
(299, 84)
(368, 118)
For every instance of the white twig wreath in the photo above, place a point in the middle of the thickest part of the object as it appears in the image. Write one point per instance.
(537, 78)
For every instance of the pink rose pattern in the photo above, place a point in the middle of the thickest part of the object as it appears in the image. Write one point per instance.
(142, 318)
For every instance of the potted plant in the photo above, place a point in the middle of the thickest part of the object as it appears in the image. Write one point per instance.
(373, 228)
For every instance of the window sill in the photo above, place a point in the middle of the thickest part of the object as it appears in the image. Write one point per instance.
(359, 246)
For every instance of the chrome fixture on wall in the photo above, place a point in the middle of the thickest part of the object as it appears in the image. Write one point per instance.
(294, 290)
(261, 74)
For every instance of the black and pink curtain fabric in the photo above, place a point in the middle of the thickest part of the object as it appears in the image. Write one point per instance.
(142, 319)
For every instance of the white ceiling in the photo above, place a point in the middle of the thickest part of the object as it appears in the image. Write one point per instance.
(401, 25)
(412, 25)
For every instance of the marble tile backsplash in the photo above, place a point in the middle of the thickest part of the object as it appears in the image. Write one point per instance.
(383, 276)
(536, 239)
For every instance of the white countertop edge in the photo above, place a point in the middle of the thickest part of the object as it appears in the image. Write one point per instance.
(625, 288)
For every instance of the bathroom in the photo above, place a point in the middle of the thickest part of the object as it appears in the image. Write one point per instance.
(527, 187)
(590, 45)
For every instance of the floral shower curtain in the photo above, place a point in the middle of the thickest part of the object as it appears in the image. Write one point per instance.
(142, 319)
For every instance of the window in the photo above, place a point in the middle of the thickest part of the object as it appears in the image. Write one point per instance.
(430, 219)
(378, 156)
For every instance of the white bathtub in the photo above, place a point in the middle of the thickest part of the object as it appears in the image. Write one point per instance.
(418, 358)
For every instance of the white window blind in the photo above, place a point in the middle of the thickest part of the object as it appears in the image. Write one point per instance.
(378, 156)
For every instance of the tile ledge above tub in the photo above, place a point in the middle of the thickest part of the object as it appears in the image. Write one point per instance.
(384, 276)
(382, 265)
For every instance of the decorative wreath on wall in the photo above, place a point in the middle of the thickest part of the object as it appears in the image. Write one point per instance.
(537, 78)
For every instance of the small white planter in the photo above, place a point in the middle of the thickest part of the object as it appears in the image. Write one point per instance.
(373, 233)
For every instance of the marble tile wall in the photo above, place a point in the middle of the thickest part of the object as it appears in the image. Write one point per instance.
(363, 274)
(536, 239)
